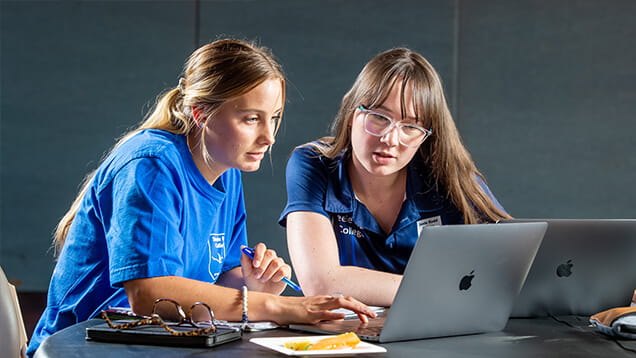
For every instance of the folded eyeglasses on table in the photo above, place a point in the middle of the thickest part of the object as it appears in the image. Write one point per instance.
(169, 324)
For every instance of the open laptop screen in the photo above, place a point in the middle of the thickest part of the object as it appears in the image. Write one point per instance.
(584, 266)
(460, 279)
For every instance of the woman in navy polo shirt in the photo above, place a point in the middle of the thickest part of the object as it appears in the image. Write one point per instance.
(395, 163)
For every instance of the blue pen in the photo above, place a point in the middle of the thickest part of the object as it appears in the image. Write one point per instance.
(250, 253)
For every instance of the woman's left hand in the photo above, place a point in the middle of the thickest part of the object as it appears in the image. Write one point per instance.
(265, 272)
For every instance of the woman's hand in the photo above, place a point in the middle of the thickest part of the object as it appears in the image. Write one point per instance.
(319, 308)
(265, 272)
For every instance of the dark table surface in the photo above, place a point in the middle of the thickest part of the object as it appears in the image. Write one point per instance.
(538, 337)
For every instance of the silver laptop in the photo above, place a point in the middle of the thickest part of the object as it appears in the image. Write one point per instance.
(460, 279)
(583, 267)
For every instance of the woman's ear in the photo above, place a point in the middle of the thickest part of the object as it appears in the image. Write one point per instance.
(197, 113)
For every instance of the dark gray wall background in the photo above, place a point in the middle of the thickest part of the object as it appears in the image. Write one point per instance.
(543, 93)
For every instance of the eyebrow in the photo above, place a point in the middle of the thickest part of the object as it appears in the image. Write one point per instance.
(278, 111)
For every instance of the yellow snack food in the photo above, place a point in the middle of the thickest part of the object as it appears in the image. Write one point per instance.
(346, 340)
(298, 345)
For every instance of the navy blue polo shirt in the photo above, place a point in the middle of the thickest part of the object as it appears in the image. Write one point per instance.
(318, 184)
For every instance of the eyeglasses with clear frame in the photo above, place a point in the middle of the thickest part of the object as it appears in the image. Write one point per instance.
(378, 124)
(199, 318)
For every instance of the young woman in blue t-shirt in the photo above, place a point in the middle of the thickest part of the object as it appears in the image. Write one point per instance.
(394, 163)
(163, 216)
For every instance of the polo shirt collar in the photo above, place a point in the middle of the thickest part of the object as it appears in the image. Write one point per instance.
(421, 193)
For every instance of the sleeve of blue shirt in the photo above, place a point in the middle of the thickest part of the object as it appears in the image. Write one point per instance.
(141, 210)
(306, 177)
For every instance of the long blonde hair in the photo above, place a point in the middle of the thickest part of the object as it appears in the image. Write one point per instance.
(444, 153)
(214, 73)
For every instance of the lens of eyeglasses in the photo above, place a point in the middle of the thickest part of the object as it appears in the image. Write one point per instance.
(376, 124)
(201, 313)
(411, 136)
(169, 310)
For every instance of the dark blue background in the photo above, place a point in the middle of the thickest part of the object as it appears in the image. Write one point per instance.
(543, 92)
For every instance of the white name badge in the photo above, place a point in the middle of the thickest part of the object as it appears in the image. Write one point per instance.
(432, 221)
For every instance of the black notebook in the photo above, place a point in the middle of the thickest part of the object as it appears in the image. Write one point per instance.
(155, 335)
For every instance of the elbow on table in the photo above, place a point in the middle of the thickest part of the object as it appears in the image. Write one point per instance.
(317, 286)
(139, 297)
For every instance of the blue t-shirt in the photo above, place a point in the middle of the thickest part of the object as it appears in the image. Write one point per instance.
(148, 212)
(318, 184)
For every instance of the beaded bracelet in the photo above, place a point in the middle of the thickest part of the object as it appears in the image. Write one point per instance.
(244, 307)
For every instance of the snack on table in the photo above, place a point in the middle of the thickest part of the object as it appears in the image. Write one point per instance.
(346, 340)
(298, 345)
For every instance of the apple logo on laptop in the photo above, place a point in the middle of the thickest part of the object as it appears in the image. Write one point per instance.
(565, 269)
(466, 281)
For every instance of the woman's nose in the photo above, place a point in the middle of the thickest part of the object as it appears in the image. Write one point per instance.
(268, 132)
(391, 138)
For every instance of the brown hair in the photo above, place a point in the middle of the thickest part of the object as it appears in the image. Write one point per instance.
(444, 153)
(214, 73)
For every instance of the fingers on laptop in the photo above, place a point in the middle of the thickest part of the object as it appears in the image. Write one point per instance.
(352, 304)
